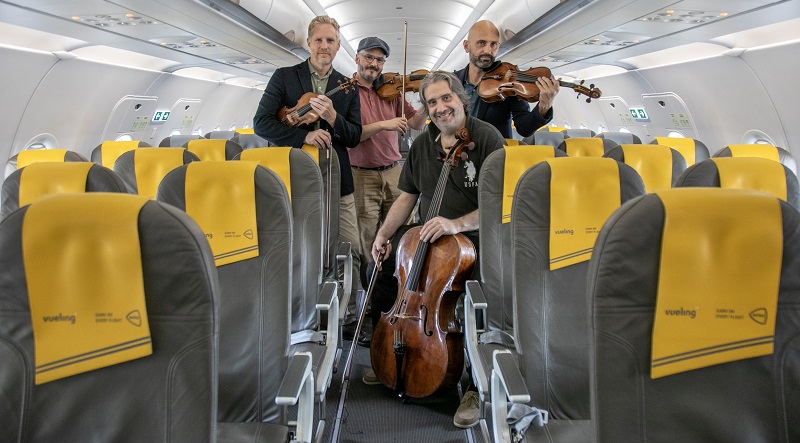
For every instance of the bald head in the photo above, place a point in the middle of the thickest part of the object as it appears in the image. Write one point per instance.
(483, 27)
(482, 44)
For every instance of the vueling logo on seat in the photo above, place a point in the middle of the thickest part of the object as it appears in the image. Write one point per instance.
(60, 318)
(680, 312)
(565, 231)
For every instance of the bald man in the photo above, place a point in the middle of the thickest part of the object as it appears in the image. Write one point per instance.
(482, 44)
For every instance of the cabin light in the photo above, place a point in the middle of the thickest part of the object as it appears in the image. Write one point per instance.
(129, 15)
(202, 42)
(75, 17)
(670, 11)
(723, 14)
(163, 43)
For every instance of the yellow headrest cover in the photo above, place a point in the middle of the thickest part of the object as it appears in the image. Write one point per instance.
(25, 158)
(583, 193)
(312, 151)
(652, 162)
(40, 179)
(685, 146)
(518, 159)
(110, 151)
(221, 198)
(556, 128)
(83, 267)
(761, 151)
(719, 276)
(246, 131)
(152, 165)
(208, 149)
(512, 142)
(758, 174)
(276, 159)
(584, 147)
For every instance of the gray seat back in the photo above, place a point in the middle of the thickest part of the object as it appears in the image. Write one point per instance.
(126, 166)
(621, 138)
(226, 135)
(676, 166)
(495, 248)
(551, 310)
(165, 397)
(176, 141)
(578, 132)
(307, 212)
(546, 138)
(784, 156)
(706, 174)
(98, 179)
(700, 149)
(750, 400)
(249, 141)
(254, 306)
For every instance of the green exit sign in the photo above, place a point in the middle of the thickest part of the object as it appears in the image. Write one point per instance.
(638, 113)
(161, 116)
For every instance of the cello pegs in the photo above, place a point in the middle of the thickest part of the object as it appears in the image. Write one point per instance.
(471, 146)
(589, 100)
(591, 86)
(582, 81)
(463, 156)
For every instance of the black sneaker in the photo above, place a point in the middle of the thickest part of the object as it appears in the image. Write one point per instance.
(364, 339)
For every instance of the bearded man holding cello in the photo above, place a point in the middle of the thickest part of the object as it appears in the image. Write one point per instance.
(376, 160)
(482, 44)
(454, 192)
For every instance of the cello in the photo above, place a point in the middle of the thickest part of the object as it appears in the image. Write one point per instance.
(417, 348)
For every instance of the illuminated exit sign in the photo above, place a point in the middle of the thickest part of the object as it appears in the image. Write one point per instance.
(161, 116)
(638, 113)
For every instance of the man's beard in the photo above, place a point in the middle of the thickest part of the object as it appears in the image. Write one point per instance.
(481, 61)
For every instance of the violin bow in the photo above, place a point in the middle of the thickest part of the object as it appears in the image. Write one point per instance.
(405, 48)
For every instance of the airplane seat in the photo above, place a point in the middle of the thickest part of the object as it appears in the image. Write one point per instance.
(544, 138)
(225, 135)
(310, 297)
(548, 128)
(176, 141)
(621, 138)
(757, 150)
(213, 149)
(249, 141)
(512, 142)
(578, 132)
(586, 146)
(659, 166)
(559, 207)
(490, 299)
(338, 264)
(165, 396)
(753, 173)
(106, 153)
(25, 158)
(669, 269)
(244, 131)
(38, 179)
(243, 211)
(693, 150)
(143, 169)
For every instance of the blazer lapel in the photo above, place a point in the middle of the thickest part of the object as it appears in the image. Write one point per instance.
(304, 76)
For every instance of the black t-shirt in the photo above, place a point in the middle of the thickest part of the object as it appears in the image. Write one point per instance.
(422, 168)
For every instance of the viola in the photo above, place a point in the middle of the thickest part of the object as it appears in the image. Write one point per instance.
(417, 348)
(391, 86)
(506, 80)
(302, 113)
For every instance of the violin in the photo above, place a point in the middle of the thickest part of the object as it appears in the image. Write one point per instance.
(302, 113)
(417, 346)
(391, 84)
(506, 80)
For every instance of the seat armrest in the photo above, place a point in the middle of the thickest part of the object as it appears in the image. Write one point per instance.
(474, 304)
(344, 258)
(297, 388)
(507, 387)
(328, 301)
(344, 251)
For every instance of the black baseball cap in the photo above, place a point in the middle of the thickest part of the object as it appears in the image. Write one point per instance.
(367, 43)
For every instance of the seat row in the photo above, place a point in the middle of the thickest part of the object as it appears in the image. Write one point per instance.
(566, 314)
(314, 300)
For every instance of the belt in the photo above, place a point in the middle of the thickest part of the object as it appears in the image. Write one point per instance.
(379, 168)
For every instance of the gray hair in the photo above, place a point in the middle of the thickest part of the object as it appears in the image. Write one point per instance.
(323, 20)
(452, 81)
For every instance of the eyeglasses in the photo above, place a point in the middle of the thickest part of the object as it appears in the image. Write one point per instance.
(371, 58)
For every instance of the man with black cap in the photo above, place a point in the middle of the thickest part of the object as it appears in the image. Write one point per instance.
(375, 163)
